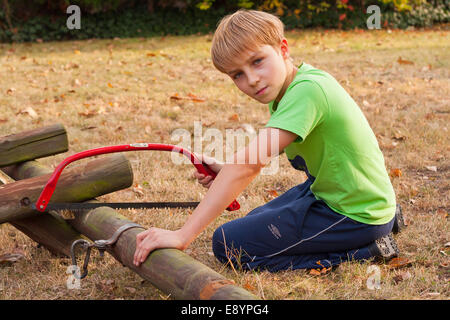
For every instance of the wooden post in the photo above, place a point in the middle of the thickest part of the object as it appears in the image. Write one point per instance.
(33, 144)
(47, 229)
(170, 270)
(97, 177)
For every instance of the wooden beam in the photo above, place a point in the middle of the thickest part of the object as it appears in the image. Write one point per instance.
(48, 229)
(33, 144)
(170, 270)
(87, 181)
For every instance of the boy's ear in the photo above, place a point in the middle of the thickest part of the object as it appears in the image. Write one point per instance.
(284, 48)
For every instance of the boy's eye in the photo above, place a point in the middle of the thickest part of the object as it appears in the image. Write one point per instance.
(257, 61)
(237, 75)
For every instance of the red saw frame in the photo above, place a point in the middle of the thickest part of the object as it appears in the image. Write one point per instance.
(46, 194)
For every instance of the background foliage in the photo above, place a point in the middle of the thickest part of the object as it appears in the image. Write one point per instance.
(31, 20)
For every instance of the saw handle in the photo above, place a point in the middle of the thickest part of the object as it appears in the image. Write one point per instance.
(46, 194)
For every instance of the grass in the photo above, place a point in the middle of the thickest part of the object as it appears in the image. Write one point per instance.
(108, 92)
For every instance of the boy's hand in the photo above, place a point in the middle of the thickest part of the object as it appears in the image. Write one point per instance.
(155, 238)
(213, 164)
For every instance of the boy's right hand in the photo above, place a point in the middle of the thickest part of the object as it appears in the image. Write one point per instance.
(213, 164)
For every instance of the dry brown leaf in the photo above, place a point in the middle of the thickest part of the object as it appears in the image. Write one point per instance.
(130, 290)
(443, 214)
(10, 91)
(247, 285)
(234, 117)
(176, 96)
(3, 120)
(399, 136)
(88, 114)
(10, 258)
(395, 172)
(399, 262)
(107, 286)
(273, 193)
(30, 111)
(88, 128)
(403, 61)
(110, 85)
(138, 190)
(402, 276)
(195, 98)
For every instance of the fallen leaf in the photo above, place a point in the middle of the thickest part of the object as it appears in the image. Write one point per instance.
(395, 173)
(248, 128)
(399, 136)
(138, 190)
(234, 117)
(9, 258)
(402, 276)
(431, 168)
(88, 128)
(273, 193)
(432, 294)
(110, 85)
(88, 114)
(399, 262)
(10, 91)
(195, 98)
(106, 286)
(77, 52)
(130, 290)
(30, 111)
(176, 96)
(247, 285)
(402, 61)
(3, 120)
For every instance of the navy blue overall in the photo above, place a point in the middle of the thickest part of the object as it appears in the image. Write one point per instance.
(294, 231)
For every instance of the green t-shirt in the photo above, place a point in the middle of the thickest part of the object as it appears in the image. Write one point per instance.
(336, 146)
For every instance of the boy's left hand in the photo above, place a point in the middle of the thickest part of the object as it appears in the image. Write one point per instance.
(155, 238)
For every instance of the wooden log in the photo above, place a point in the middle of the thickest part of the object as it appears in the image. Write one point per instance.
(95, 178)
(33, 144)
(170, 270)
(49, 230)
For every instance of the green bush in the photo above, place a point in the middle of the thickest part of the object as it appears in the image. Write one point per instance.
(29, 20)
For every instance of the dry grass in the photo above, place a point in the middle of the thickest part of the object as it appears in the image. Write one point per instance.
(110, 92)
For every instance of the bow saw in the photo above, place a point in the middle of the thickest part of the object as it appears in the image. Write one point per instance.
(43, 203)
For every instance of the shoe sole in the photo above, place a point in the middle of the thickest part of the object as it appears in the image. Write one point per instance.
(388, 247)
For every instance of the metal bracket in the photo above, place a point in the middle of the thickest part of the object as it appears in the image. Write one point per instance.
(101, 245)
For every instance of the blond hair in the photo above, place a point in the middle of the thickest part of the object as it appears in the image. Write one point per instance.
(241, 31)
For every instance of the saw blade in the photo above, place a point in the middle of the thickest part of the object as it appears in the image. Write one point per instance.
(117, 205)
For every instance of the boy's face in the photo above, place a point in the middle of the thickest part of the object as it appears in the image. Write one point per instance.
(261, 74)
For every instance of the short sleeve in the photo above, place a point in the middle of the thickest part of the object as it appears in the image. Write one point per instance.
(302, 108)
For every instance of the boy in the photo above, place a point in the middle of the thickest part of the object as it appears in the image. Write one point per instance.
(346, 208)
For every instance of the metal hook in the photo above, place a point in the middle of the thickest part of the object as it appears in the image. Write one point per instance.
(86, 244)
